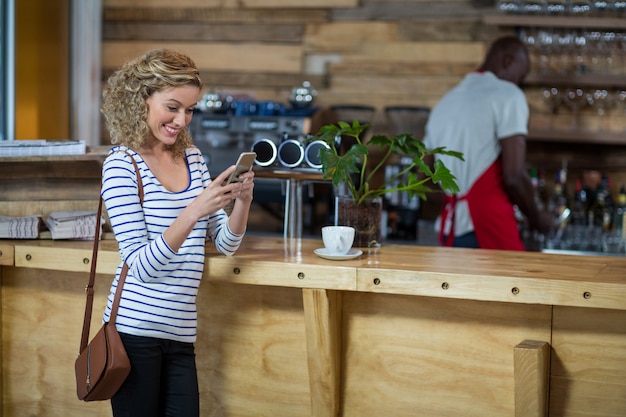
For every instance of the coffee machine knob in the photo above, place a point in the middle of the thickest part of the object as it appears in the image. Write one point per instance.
(312, 153)
(290, 153)
(265, 152)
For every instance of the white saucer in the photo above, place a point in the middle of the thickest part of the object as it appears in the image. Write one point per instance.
(324, 253)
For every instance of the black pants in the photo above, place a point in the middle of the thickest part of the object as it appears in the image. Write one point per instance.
(163, 380)
(467, 240)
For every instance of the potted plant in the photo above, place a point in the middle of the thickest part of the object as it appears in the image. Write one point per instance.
(350, 171)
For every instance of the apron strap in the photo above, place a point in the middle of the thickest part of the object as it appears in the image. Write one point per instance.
(448, 211)
(491, 212)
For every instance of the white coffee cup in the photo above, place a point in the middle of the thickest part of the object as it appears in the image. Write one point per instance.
(338, 239)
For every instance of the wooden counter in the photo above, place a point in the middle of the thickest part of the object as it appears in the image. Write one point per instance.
(410, 331)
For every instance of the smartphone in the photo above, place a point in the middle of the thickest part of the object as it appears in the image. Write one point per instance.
(245, 162)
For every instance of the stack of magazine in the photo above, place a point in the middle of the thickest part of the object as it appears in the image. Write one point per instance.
(73, 224)
(26, 227)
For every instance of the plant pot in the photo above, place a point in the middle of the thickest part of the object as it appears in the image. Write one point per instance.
(365, 218)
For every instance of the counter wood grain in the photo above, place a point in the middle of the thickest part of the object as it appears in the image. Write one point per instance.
(471, 274)
(407, 331)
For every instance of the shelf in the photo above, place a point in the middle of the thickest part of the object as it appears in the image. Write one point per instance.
(603, 138)
(554, 21)
(582, 81)
(93, 153)
(591, 80)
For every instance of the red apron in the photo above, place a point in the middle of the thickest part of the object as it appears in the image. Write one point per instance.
(491, 211)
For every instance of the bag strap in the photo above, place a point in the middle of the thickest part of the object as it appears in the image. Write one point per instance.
(89, 289)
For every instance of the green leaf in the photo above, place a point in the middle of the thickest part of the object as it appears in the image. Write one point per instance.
(444, 177)
(423, 167)
(380, 140)
(443, 151)
(339, 168)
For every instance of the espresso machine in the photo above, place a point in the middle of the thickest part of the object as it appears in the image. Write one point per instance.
(225, 125)
(223, 128)
(222, 137)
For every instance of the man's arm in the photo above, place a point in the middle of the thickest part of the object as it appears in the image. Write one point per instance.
(518, 185)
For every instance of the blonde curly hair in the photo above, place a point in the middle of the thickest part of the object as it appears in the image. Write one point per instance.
(124, 97)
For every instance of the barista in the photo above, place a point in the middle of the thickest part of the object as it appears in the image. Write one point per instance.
(485, 117)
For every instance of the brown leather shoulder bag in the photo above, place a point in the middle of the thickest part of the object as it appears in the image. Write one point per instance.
(102, 364)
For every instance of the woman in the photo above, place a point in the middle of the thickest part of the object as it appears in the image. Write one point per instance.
(148, 104)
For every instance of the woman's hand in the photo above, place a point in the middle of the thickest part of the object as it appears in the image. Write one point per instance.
(242, 194)
(217, 195)
(245, 189)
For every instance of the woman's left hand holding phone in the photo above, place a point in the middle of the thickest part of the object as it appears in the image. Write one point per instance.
(217, 195)
(244, 187)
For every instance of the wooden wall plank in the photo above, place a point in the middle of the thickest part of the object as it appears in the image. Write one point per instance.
(232, 3)
(453, 52)
(377, 85)
(261, 81)
(211, 15)
(245, 57)
(411, 11)
(347, 36)
(245, 81)
(457, 30)
(418, 3)
(300, 3)
(200, 32)
(362, 67)
(379, 101)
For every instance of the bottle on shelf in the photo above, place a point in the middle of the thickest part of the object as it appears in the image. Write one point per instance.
(559, 201)
(534, 179)
(619, 216)
(542, 191)
(580, 205)
(601, 212)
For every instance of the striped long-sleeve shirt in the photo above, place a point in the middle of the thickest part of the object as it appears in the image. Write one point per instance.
(159, 296)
